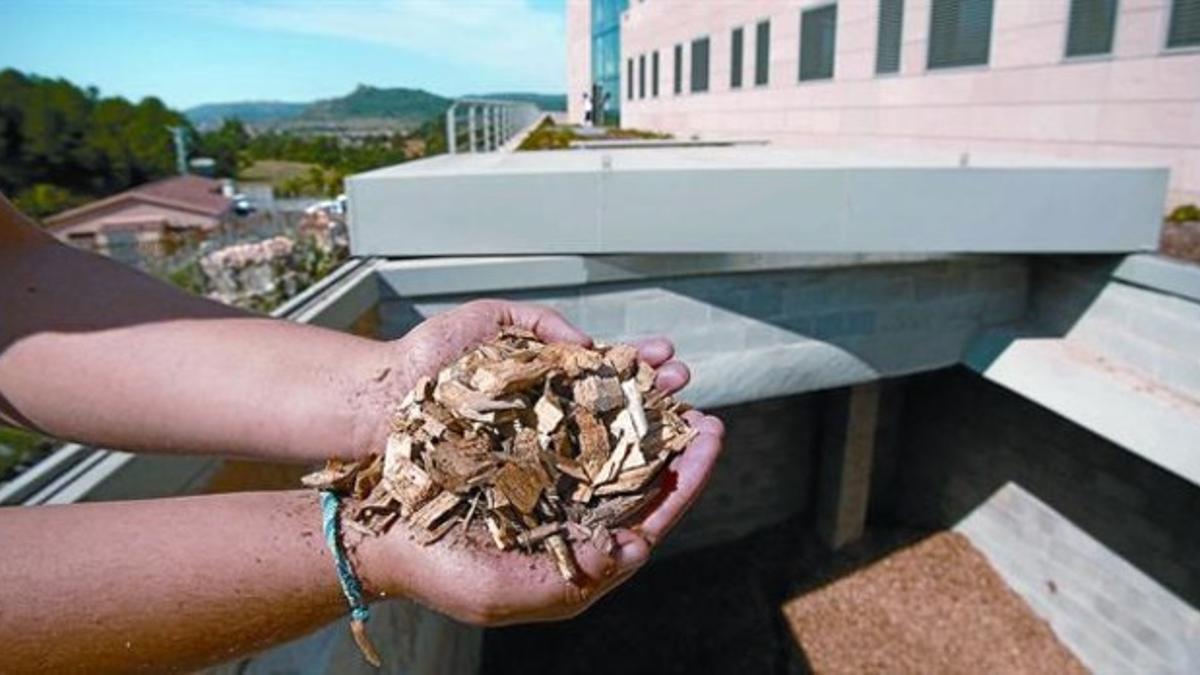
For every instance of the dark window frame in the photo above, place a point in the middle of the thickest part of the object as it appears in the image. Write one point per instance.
(807, 75)
(641, 76)
(1072, 26)
(629, 79)
(959, 62)
(678, 69)
(890, 64)
(762, 53)
(737, 57)
(1190, 42)
(701, 78)
(654, 74)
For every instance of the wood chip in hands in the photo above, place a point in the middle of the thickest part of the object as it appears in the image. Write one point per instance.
(523, 440)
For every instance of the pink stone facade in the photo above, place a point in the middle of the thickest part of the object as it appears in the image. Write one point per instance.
(579, 56)
(1140, 103)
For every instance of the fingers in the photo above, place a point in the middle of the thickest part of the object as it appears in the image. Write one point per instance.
(692, 469)
(672, 376)
(654, 350)
(544, 322)
(657, 351)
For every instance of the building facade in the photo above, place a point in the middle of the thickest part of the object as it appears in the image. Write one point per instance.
(1087, 79)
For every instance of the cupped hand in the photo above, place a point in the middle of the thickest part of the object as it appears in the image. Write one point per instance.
(482, 585)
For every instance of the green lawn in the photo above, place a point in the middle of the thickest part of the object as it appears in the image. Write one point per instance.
(273, 171)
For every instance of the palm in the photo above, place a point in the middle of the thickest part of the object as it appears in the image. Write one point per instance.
(475, 582)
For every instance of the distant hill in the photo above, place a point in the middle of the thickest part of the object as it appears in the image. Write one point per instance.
(547, 102)
(365, 106)
(413, 106)
(254, 113)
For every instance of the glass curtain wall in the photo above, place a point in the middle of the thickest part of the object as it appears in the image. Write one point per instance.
(606, 58)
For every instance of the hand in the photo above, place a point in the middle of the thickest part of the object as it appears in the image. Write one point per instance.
(486, 586)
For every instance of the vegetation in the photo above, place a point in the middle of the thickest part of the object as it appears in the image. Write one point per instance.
(254, 113)
(61, 145)
(550, 136)
(1184, 213)
(1181, 233)
(414, 106)
(16, 446)
(407, 108)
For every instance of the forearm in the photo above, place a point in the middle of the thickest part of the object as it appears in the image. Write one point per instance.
(161, 585)
(96, 352)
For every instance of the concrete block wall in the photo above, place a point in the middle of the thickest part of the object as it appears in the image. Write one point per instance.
(1151, 331)
(773, 333)
(1101, 543)
(1138, 104)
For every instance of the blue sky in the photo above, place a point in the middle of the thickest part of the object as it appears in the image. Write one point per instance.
(205, 51)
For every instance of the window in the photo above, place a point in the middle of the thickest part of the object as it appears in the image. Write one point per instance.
(818, 31)
(735, 59)
(1185, 24)
(654, 74)
(762, 52)
(642, 76)
(887, 42)
(629, 79)
(1091, 26)
(960, 33)
(700, 65)
(678, 69)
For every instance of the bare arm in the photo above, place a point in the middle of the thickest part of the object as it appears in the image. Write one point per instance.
(168, 584)
(93, 351)
(179, 584)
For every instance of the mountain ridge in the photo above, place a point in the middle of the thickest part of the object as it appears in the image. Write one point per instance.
(402, 106)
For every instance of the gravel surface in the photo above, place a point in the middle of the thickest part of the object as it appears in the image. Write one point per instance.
(936, 606)
(883, 605)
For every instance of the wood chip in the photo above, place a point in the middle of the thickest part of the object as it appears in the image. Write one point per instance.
(521, 486)
(624, 360)
(435, 510)
(538, 444)
(409, 484)
(549, 413)
(632, 480)
(599, 394)
(594, 447)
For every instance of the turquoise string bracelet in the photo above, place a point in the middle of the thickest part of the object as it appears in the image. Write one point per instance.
(351, 585)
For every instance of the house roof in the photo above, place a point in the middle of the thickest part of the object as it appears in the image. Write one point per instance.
(192, 193)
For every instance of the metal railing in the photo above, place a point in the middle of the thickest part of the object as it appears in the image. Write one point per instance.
(483, 125)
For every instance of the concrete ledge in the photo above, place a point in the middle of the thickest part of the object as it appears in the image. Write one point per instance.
(1161, 274)
(626, 143)
(1100, 395)
(751, 199)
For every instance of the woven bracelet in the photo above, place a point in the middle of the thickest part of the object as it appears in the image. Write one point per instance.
(351, 586)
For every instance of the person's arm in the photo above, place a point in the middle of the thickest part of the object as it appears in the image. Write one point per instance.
(179, 584)
(93, 351)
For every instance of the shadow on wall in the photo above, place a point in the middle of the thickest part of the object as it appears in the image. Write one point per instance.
(963, 439)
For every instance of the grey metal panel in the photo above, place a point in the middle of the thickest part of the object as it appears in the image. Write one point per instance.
(753, 199)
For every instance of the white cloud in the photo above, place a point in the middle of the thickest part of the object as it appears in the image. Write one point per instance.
(505, 41)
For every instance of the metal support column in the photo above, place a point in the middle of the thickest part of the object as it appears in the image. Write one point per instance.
(451, 130)
(471, 126)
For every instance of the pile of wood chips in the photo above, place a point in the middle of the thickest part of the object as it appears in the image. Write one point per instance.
(539, 443)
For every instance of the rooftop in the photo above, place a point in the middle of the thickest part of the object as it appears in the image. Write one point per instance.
(753, 199)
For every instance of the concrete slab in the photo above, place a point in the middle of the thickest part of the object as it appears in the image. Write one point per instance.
(1103, 396)
(752, 199)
